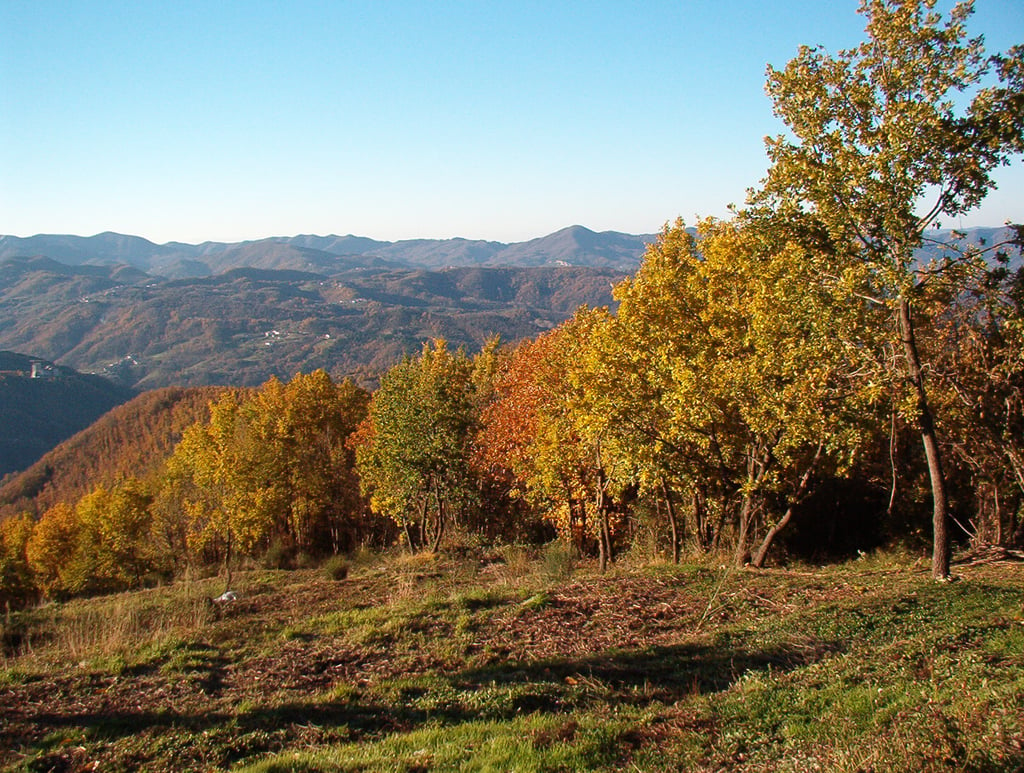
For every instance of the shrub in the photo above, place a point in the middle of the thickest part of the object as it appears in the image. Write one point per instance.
(278, 556)
(336, 567)
(559, 560)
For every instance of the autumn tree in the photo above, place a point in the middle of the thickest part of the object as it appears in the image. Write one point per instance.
(586, 407)
(229, 492)
(652, 340)
(510, 421)
(412, 452)
(50, 548)
(17, 584)
(884, 139)
(304, 426)
(112, 549)
(274, 465)
(977, 351)
(546, 431)
(496, 515)
(727, 375)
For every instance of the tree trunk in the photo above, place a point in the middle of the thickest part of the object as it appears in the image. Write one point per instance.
(604, 542)
(801, 489)
(424, 509)
(606, 537)
(581, 520)
(997, 515)
(672, 525)
(742, 556)
(227, 560)
(926, 424)
(756, 471)
(719, 528)
(700, 525)
(439, 523)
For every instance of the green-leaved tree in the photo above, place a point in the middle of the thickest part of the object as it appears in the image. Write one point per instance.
(413, 450)
(883, 140)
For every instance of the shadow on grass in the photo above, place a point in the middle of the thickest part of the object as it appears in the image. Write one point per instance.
(216, 738)
(224, 738)
(657, 674)
(662, 675)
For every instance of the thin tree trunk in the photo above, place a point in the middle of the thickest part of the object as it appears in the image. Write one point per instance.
(701, 527)
(227, 561)
(672, 525)
(756, 470)
(423, 521)
(606, 535)
(769, 538)
(997, 514)
(724, 505)
(926, 424)
(439, 529)
(742, 556)
(603, 541)
(603, 525)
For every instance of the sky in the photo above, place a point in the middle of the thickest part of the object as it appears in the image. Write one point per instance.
(395, 119)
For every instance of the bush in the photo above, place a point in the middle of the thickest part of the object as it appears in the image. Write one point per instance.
(559, 560)
(278, 556)
(336, 567)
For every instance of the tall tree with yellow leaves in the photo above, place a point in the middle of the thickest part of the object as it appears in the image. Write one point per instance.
(883, 140)
(728, 374)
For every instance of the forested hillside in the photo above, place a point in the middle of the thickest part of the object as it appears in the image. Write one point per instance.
(131, 440)
(38, 413)
(242, 327)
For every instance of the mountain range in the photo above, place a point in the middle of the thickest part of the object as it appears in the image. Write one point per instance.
(150, 316)
(573, 246)
(234, 314)
(240, 327)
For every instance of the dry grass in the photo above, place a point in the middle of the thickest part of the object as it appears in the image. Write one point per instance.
(116, 626)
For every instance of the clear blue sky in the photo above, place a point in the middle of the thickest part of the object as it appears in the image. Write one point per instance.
(396, 119)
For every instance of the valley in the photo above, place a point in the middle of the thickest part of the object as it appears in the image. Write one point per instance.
(242, 327)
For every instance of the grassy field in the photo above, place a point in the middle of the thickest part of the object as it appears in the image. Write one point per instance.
(513, 661)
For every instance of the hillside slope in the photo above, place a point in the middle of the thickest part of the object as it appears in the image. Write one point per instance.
(241, 327)
(130, 440)
(38, 413)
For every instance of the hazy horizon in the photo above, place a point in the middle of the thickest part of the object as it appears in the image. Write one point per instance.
(230, 122)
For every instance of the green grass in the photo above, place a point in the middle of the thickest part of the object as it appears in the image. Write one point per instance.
(435, 664)
(534, 742)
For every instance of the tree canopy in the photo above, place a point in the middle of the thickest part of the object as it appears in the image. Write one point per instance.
(884, 139)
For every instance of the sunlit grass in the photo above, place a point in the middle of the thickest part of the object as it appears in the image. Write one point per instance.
(109, 631)
(867, 666)
(532, 743)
